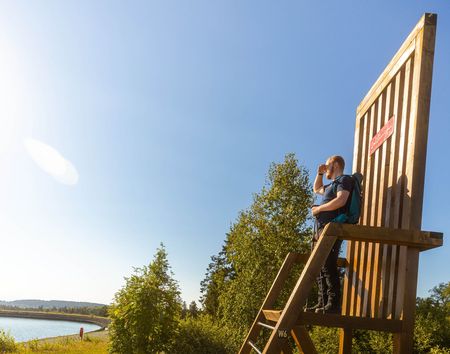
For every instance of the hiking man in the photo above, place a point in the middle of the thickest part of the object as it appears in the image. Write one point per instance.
(335, 202)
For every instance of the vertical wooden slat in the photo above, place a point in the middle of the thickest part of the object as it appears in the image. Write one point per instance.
(368, 192)
(385, 281)
(392, 282)
(361, 272)
(384, 169)
(420, 109)
(348, 279)
(355, 267)
(372, 248)
(357, 245)
(401, 194)
(357, 161)
(391, 201)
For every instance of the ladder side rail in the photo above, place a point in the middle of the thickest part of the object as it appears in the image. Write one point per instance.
(291, 259)
(294, 305)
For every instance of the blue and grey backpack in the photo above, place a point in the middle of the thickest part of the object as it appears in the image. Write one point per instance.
(354, 209)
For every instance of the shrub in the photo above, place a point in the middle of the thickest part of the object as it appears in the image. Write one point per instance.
(7, 342)
(145, 314)
(202, 336)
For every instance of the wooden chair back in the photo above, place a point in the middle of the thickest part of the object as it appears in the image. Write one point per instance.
(390, 151)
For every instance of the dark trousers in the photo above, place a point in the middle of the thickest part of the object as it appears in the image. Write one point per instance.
(328, 280)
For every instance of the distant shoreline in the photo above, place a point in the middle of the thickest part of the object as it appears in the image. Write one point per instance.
(103, 322)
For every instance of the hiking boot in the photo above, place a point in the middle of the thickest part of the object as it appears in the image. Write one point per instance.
(328, 308)
(313, 308)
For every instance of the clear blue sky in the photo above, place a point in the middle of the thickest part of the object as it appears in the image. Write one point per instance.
(171, 112)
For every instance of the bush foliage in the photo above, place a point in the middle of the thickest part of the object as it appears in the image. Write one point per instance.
(145, 313)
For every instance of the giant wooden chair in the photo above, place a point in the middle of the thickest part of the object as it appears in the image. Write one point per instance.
(382, 259)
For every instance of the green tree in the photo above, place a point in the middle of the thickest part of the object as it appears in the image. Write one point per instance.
(276, 223)
(146, 311)
(218, 273)
(432, 327)
(193, 309)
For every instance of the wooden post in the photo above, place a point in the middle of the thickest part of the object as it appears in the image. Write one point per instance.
(345, 340)
(303, 340)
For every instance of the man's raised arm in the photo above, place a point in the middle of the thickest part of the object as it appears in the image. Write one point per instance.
(318, 182)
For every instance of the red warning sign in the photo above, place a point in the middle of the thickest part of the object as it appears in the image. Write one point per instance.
(382, 135)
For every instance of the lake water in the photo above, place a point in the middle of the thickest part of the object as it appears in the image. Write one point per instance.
(23, 329)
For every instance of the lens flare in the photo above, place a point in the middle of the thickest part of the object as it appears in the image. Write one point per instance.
(52, 162)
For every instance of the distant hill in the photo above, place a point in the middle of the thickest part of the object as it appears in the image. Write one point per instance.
(48, 304)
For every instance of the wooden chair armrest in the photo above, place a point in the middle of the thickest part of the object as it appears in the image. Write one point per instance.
(424, 240)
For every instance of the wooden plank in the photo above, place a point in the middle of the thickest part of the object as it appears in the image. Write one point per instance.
(377, 168)
(379, 252)
(364, 147)
(328, 320)
(367, 210)
(412, 238)
(397, 168)
(403, 341)
(368, 172)
(368, 281)
(345, 340)
(272, 315)
(355, 298)
(390, 310)
(301, 290)
(286, 348)
(346, 293)
(399, 58)
(385, 273)
(366, 248)
(420, 109)
(396, 292)
(401, 281)
(371, 297)
(354, 277)
(376, 205)
(360, 278)
(401, 151)
(409, 160)
(420, 106)
(390, 263)
(340, 321)
(392, 181)
(358, 143)
(290, 260)
(390, 75)
(303, 340)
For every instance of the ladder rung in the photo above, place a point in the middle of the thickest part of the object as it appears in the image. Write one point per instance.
(272, 315)
(266, 325)
(254, 347)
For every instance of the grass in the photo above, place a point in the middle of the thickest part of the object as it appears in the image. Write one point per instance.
(93, 343)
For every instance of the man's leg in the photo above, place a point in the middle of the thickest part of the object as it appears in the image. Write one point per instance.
(331, 277)
(322, 297)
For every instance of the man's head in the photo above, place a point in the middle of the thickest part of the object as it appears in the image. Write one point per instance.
(335, 166)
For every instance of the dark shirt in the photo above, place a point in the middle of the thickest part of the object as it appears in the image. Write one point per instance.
(341, 183)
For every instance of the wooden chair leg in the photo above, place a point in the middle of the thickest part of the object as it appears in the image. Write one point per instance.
(286, 348)
(403, 341)
(303, 340)
(345, 340)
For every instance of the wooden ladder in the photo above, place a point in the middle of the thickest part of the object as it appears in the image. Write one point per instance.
(286, 322)
(291, 320)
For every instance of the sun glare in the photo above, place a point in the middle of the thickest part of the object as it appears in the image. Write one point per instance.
(52, 162)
